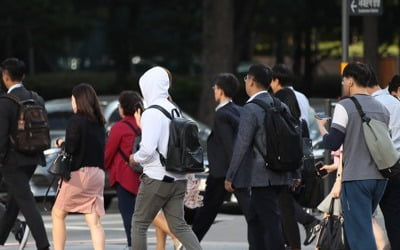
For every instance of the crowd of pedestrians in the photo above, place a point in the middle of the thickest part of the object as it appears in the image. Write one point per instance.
(134, 151)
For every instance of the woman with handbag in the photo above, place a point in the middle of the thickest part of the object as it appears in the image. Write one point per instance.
(118, 148)
(83, 192)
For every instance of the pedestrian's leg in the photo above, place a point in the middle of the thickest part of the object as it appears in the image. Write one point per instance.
(302, 216)
(173, 211)
(356, 198)
(96, 231)
(18, 187)
(151, 197)
(243, 197)
(161, 223)
(390, 206)
(265, 203)
(59, 230)
(161, 237)
(213, 199)
(379, 235)
(126, 206)
(289, 223)
(8, 219)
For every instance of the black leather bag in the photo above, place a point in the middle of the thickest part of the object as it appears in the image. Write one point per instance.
(310, 192)
(61, 166)
(331, 236)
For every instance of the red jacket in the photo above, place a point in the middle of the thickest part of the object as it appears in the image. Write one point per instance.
(121, 136)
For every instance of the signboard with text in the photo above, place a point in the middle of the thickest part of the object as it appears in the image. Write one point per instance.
(365, 7)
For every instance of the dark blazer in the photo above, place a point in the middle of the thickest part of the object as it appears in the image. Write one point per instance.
(8, 121)
(85, 141)
(247, 168)
(221, 140)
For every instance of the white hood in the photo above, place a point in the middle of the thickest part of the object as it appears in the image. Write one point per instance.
(154, 85)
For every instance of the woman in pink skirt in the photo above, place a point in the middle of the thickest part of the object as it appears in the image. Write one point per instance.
(83, 193)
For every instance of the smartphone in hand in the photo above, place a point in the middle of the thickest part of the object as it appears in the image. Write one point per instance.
(321, 115)
(321, 173)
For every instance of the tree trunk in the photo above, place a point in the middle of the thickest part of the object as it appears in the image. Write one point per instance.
(308, 64)
(217, 50)
(298, 52)
(370, 32)
(244, 16)
(30, 54)
(280, 48)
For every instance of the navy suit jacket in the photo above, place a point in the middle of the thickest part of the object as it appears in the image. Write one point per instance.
(247, 167)
(221, 140)
(8, 120)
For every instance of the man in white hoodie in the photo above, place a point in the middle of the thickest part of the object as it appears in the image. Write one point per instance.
(159, 189)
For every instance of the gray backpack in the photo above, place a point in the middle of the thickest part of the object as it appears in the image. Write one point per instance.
(379, 143)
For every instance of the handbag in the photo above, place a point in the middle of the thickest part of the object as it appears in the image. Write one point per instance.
(61, 165)
(379, 143)
(310, 192)
(331, 234)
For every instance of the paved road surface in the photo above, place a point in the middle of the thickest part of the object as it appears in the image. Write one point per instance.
(229, 232)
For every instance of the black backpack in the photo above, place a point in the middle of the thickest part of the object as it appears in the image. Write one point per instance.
(31, 134)
(185, 155)
(283, 137)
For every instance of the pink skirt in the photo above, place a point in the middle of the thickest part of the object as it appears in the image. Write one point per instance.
(83, 193)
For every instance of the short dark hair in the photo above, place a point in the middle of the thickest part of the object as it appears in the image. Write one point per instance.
(394, 84)
(287, 96)
(228, 83)
(283, 74)
(87, 102)
(373, 80)
(14, 67)
(130, 102)
(262, 74)
(359, 72)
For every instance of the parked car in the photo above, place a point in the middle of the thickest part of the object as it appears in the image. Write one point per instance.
(59, 111)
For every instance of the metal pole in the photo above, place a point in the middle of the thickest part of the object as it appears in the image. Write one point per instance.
(345, 31)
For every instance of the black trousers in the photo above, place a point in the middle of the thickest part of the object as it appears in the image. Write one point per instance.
(213, 198)
(289, 222)
(264, 215)
(390, 206)
(21, 198)
(126, 206)
(302, 216)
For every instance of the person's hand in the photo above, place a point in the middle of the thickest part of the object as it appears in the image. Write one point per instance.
(59, 142)
(336, 189)
(229, 186)
(330, 168)
(295, 184)
(321, 122)
(321, 126)
(132, 161)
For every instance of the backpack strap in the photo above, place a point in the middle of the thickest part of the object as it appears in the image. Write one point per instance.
(264, 106)
(20, 102)
(137, 133)
(363, 116)
(260, 103)
(12, 98)
(174, 112)
(163, 160)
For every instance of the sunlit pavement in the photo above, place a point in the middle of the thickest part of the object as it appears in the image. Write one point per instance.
(229, 232)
